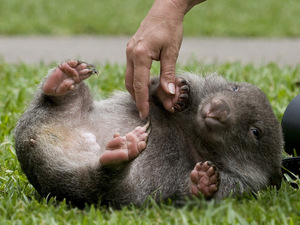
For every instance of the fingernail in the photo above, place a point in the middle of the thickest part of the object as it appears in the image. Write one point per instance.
(171, 88)
(141, 115)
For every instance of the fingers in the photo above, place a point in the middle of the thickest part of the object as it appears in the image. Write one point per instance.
(137, 76)
(167, 74)
(156, 39)
(167, 80)
(129, 69)
(141, 84)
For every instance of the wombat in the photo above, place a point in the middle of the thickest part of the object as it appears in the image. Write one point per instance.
(220, 139)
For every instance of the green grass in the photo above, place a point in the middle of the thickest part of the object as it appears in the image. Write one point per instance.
(234, 18)
(20, 204)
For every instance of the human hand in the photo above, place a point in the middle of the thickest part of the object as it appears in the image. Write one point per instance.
(158, 38)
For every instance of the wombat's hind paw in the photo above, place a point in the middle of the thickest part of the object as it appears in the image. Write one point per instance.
(204, 179)
(66, 75)
(122, 149)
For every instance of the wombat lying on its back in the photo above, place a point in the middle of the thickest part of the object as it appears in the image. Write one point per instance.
(222, 138)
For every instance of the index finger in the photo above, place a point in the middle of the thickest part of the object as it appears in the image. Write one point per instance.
(141, 77)
(129, 73)
(141, 90)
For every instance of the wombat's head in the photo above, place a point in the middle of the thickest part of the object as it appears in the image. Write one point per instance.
(237, 121)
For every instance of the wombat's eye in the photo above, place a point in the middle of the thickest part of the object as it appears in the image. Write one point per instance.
(255, 132)
(235, 88)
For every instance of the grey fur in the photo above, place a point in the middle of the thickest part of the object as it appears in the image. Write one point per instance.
(59, 161)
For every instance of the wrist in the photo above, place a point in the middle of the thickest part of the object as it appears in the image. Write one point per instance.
(172, 9)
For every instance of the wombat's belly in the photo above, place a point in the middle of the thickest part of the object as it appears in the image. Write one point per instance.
(87, 136)
(75, 144)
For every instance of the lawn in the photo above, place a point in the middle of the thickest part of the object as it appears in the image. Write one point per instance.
(20, 204)
(234, 18)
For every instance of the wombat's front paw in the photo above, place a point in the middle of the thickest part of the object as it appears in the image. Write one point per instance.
(204, 179)
(179, 100)
(122, 149)
(66, 75)
(181, 95)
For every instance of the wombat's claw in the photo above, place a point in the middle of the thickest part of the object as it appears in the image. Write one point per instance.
(204, 179)
(91, 67)
(122, 149)
(182, 97)
(148, 128)
(95, 71)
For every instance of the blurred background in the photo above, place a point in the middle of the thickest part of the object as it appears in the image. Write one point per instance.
(222, 18)
(220, 31)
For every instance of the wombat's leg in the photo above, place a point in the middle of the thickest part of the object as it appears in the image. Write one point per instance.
(122, 149)
(178, 101)
(65, 76)
(204, 179)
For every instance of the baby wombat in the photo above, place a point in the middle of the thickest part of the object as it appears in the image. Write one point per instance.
(222, 138)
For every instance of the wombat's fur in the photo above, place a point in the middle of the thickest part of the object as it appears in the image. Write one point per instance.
(57, 152)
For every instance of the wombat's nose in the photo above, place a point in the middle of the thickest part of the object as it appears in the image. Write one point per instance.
(216, 112)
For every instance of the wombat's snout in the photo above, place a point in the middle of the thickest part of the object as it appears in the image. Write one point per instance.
(216, 112)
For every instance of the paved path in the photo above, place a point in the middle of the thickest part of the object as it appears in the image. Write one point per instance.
(112, 49)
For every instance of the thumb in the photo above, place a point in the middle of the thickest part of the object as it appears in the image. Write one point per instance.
(167, 76)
